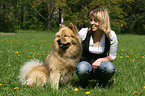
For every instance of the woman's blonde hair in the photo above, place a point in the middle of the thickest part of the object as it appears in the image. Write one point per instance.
(101, 15)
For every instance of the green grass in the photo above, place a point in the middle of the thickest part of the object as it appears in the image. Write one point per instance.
(129, 79)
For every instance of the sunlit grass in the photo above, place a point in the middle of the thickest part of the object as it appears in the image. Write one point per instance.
(129, 78)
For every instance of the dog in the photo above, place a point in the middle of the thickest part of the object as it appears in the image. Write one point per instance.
(59, 65)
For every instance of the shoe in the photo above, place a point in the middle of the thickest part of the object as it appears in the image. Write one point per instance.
(101, 84)
(84, 84)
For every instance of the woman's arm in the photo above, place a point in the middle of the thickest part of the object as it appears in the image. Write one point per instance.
(112, 51)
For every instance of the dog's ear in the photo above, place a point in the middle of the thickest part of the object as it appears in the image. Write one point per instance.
(72, 27)
(61, 26)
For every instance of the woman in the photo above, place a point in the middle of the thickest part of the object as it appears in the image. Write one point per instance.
(99, 49)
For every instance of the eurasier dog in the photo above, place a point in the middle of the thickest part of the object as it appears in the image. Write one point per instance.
(59, 65)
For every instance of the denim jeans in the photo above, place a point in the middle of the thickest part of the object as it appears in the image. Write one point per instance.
(103, 73)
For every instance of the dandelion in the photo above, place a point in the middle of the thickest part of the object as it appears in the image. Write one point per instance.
(25, 89)
(16, 52)
(29, 56)
(136, 92)
(144, 87)
(87, 92)
(122, 49)
(1, 84)
(76, 89)
(127, 56)
(142, 56)
(121, 57)
(132, 60)
(7, 88)
(16, 88)
(31, 53)
(9, 65)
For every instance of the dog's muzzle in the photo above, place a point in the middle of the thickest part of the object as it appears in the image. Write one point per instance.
(62, 45)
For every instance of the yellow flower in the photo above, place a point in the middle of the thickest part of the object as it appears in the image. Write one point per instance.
(25, 89)
(120, 56)
(87, 92)
(16, 88)
(31, 53)
(16, 52)
(122, 49)
(29, 56)
(142, 56)
(9, 65)
(76, 89)
(127, 56)
(144, 86)
(136, 92)
(1, 84)
(132, 60)
(7, 88)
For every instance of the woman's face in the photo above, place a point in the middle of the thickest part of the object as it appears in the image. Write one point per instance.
(94, 24)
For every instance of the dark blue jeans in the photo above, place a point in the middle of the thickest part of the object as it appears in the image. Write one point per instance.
(85, 72)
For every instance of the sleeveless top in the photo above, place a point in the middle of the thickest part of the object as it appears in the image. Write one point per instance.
(91, 57)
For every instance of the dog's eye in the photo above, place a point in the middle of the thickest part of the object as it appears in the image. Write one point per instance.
(58, 36)
(65, 36)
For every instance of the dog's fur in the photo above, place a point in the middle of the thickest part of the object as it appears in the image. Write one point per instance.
(59, 65)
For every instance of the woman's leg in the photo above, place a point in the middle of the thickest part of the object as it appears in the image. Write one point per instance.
(83, 73)
(105, 72)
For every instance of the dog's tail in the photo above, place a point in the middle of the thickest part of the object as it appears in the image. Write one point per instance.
(27, 67)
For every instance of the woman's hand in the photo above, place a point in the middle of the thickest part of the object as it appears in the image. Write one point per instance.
(97, 63)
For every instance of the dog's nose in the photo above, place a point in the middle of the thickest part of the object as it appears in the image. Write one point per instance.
(59, 40)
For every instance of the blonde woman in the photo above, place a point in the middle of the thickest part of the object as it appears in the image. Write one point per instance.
(99, 49)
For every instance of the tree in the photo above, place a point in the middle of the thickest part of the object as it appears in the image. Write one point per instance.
(135, 17)
(7, 20)
(44, 8)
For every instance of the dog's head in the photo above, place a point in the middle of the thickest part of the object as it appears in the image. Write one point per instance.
(66, 37)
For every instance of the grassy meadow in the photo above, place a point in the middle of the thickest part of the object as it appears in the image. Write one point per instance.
(129, 79)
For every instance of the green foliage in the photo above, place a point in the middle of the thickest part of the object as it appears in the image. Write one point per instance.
(126, 16)
(129, 78)
(135, 16)
(7, 20)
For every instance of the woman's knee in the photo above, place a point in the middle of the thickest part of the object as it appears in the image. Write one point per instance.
(83, 67)
(107, 66)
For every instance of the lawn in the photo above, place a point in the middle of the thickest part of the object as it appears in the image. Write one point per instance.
(129, 79)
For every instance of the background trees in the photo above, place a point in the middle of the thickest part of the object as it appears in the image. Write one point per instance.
(127, 16)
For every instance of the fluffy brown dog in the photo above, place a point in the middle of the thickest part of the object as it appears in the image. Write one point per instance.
(59, 65)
